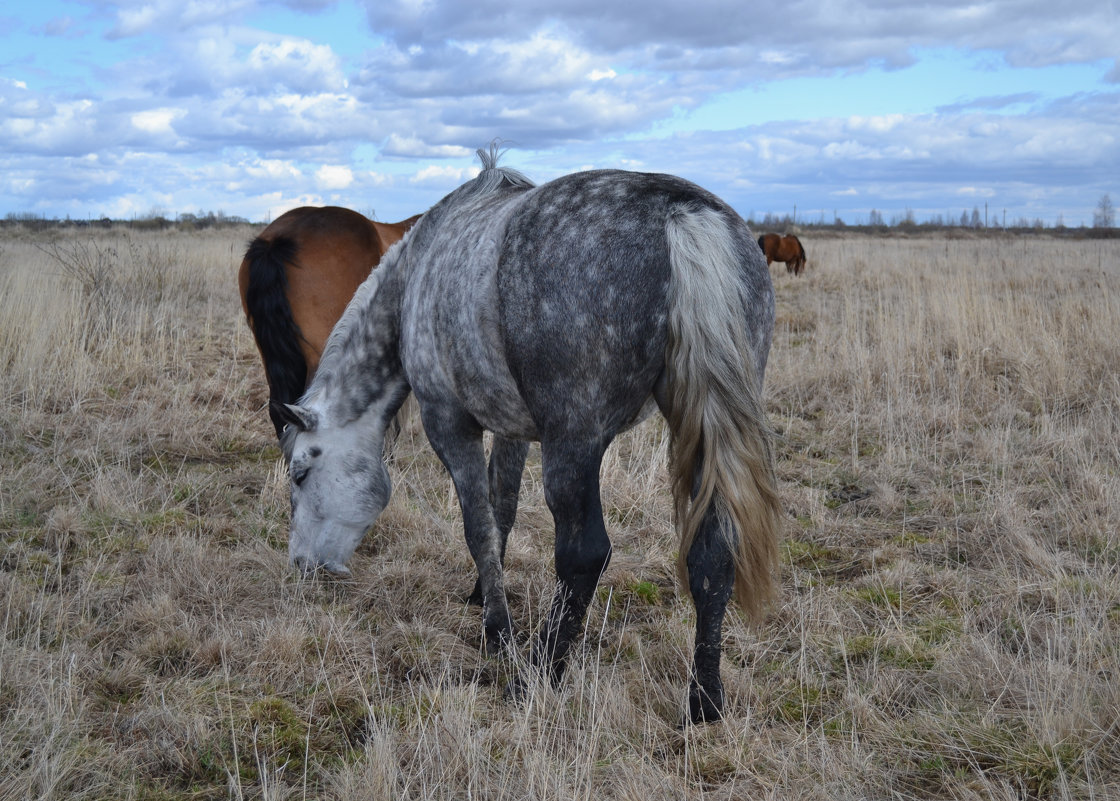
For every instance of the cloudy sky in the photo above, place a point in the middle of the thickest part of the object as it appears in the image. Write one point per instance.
(126, 108)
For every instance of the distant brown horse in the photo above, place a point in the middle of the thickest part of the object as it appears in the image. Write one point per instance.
(296, 279)
(783, 248)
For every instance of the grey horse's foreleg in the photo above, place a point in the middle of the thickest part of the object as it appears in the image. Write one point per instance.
(458, 443)
(507, 463)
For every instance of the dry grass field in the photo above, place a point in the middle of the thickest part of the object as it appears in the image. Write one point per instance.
(948, 419)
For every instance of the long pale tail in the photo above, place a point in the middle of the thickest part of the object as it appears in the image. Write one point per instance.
(716, 415)
(270, 317)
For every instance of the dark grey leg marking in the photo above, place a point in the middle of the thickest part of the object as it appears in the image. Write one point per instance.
(507, 463)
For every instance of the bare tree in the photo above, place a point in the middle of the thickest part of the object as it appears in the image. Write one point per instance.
(1105, 215)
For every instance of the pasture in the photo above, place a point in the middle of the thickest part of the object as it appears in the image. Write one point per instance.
(948, 626)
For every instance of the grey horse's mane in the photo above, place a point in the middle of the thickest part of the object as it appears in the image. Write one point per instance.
(494, 177)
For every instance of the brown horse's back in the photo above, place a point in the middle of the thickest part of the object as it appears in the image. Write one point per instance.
(769, 243)
(296, 279)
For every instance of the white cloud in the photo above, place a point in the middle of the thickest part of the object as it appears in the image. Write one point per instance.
(443, 175)
(976, 191)
(849, 150)
(415, 147)
(878, 124)
(297, 63)
(59, 26)
(157, 121)
(139, 17)
(133, 21)
(334, 176)
(761, 42)
(272, 169)
(540, 62)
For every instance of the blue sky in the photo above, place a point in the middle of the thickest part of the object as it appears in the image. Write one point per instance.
(832, 107)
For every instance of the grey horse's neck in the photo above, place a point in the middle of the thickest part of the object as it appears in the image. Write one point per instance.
(360, 372)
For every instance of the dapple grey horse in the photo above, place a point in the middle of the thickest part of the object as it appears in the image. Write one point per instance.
(563, 314)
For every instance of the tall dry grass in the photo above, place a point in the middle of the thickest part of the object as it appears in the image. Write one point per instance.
(949, 453)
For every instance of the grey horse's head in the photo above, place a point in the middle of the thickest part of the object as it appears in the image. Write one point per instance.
(339, 486)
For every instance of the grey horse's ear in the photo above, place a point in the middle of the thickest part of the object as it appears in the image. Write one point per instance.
(297, 416)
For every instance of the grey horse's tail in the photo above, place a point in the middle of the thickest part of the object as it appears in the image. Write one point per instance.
(721, 442)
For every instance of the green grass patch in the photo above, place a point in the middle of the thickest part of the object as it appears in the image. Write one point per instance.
(646, 592)
(879, 595)
(868, 649)
(805, 704)
(281, 733)
(1007, 750)
(810, 555)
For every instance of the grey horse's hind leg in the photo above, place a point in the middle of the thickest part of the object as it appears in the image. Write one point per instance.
(507, 462)
(457, 441)
(583, 550)
(711, 577)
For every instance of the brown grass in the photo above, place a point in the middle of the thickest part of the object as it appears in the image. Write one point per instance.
(949, 455)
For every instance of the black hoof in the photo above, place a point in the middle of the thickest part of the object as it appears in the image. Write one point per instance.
(704, 706)
(475, 598)
(497, 640)
(515, 691)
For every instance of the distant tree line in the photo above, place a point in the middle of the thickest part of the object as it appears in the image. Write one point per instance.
(153, 221)
(1104, 222)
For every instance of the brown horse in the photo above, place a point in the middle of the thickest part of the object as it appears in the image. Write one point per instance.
(783, 248)
(296, 279)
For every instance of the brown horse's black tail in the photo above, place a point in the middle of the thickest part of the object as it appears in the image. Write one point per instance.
(270, 317)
